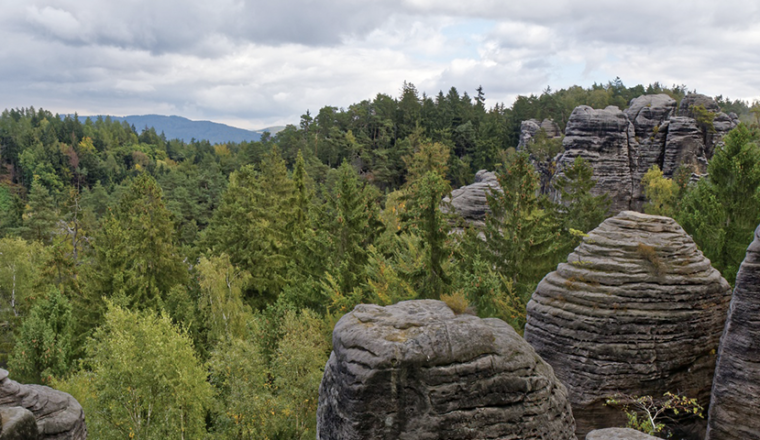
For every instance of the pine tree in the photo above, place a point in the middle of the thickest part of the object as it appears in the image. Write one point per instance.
(40, 214)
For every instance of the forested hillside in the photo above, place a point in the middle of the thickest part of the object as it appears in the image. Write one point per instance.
(202, 281)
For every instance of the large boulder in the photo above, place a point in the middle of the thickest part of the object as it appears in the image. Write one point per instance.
(59, 416)
(18, 423)
(606, 141)
(417, 370)
(735, 408)
(470, 202)
(637, 309)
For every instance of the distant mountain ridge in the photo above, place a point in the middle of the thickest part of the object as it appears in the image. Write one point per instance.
(178, 127)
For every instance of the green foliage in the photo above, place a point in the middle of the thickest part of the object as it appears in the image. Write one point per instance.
(542, 148)
(43, 347)
(270, 399)
(521, 237)
(660, 191)
(221, 302)
(648, 414)
(137, 262)
(144, 380)
(426, 187)
(722, 211)
(703, 117)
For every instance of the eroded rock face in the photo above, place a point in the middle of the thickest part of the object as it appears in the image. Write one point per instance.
(415, 370)
(606, 141)
(735, 409)
(59, 416)
(622, 146)
(637, 310)
(470, 201)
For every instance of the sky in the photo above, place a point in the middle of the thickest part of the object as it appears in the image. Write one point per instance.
(255, 64)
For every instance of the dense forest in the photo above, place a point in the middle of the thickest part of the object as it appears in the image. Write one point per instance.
(183, 290)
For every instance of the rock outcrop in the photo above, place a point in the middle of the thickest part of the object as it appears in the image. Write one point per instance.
(622, 146)
(59, 416)
(637, 309)
(605, 140)
(470, 201)
(416, 370)
(529, 128)
(735, 408)
(618, 434)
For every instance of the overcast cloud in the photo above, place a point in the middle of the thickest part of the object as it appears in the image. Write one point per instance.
(254, 64)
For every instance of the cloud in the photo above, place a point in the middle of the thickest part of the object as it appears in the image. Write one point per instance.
(261, 63)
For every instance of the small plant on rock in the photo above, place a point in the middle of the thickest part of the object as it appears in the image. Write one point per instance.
(649, 414)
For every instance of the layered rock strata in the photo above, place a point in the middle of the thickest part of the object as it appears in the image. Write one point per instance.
(605, 140)
(417, 370)
(622, 146)
(735, 408)
(637, 309)
(59, 416)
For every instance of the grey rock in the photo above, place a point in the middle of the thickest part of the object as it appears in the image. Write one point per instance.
(685, 145)
(618, 434)
(650, 115)
(695, 99)
(18, 423)
(59, 416)
(530, 127)
(636, 310)
(735, 406)
(470, 201)
(606, 141)
(622, 146)
(416, 370)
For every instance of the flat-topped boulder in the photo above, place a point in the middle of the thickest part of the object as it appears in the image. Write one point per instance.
(417, 370)
(58, 415)
(735, 409)
(637, 309)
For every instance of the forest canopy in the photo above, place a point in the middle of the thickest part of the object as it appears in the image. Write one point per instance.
(238, 258)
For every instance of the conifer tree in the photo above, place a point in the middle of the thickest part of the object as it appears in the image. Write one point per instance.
(426, 188)
(40, 214)
(521, 237)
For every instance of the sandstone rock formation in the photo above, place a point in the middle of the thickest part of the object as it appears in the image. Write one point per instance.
(618, 434)
(605, 140)
(637, 309)
(529, 128)
(416, 370)
(470, 201)
(59, 416)
(622, 146)
(735, 408)
(18, 423)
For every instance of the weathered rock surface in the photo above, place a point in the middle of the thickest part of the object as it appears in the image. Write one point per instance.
(656, 133)
(735, 407)
(470, 201)
(415, 370)
(637, 310)
(606, 141)
(618, 434)
(59, 416)
(529, 128)
(18, 423)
